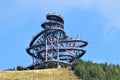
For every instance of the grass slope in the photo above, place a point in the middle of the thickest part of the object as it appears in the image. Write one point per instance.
(44, 74)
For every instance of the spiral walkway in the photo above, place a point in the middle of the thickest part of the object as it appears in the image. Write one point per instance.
(53, 45)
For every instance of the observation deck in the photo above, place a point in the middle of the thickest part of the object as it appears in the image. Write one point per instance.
(53, 45)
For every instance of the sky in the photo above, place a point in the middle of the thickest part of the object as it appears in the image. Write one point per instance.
(97, 21)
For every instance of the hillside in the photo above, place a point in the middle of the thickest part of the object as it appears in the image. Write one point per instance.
(44, 74)
(85, 70)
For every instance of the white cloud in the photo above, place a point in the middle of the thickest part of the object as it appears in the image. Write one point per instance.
(110, 9)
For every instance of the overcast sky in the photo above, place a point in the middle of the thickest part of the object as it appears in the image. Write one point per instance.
(97, 21)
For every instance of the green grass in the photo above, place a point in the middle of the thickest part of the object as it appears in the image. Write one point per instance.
(44, 74)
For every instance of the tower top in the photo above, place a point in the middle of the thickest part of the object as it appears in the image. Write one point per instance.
(54, 21)
(55, 16)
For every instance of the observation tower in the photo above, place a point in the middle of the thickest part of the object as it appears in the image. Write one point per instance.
(53, 45)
